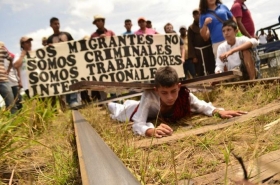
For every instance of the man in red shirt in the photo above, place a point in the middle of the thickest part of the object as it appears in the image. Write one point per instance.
(101, 31)
(243, 17)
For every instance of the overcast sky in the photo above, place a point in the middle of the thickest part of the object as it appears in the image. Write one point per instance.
(31, 17)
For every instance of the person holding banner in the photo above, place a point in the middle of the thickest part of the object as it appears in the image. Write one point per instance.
(101, 31)
(169, 102)
(128, 25)
(56, 37)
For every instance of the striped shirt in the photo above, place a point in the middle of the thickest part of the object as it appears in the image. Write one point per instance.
(4, 54)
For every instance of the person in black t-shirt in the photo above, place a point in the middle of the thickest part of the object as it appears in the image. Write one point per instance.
(56, 37)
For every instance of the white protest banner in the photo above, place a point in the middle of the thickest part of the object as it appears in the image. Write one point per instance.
(128, 58)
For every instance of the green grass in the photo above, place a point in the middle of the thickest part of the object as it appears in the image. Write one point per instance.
(195, 155)
(39, 144)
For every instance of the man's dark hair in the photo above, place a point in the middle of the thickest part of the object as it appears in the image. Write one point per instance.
(149, 22)
(53, 19)
(203, 5)
(166, 77)
(127, 20)
(230, 23)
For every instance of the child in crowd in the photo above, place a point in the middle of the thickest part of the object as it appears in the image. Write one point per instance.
(168, 101)
(229, 51)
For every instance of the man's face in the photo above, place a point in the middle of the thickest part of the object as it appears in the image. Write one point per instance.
(55, 25)
(183, 31)
(128, 26)
(26, 45)
(229, 33)
(149, 25)
(142, 23)
(99, 23)
(168, 95)
(196, 16)
(169, 29)
(44, 42)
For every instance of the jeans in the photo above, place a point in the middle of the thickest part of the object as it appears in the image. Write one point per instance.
(71, 98)
(17, 97)
(189, 66)
(7, 94)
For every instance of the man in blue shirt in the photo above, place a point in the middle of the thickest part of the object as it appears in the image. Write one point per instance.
(128, 25)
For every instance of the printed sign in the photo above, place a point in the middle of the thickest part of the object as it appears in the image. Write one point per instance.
(126, 58)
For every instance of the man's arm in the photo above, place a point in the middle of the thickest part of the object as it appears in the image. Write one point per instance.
(208, 109)
(242, 28)
(18, 62)
(246, 45)
(149, 106)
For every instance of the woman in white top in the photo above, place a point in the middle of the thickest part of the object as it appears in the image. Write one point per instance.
(262, 37)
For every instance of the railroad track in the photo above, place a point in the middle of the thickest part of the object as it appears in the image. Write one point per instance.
(100, 165)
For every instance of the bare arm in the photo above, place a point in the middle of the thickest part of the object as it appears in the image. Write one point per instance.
(205, 33)
(18, 63)
(244, 46)
(242, 28)
(10, 65)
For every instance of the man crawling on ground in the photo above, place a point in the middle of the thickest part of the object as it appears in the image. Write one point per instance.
(169, 101)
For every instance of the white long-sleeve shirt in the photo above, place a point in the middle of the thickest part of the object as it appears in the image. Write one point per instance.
(234, 59)
(149, 107)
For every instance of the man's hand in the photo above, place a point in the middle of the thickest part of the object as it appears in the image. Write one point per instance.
(230, 113)
(161, 131)
(224, 56)
(194, 60)
(183, 60)
(207, 21)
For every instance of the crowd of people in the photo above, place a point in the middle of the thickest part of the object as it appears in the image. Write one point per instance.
(209, 45)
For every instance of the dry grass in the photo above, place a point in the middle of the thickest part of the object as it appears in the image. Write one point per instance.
(196, 155)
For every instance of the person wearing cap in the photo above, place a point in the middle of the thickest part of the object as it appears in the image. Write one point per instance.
(188, 64)
(5, 88)
(128, 25)
(101, 31)
(56, 37)
(200, 50)
(21, 63)
(144, 30)
(44, 41)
